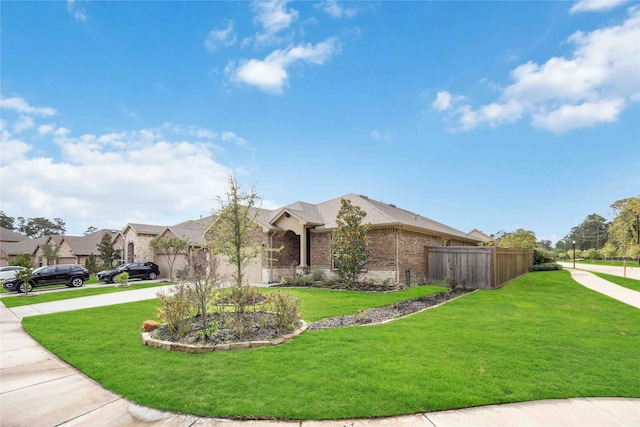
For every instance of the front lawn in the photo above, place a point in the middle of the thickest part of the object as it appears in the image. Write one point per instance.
(20, 299)
(542, 336)
(621, 281)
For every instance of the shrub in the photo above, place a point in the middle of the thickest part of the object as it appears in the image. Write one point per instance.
(306, 280)
(286, 308)
(541, 257)
(122, 279)
(176, 310)
(317, 275)
(548, 266)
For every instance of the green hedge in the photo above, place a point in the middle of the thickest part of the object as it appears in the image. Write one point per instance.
(548, 266)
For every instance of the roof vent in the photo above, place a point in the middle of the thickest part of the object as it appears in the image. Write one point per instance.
(392, 205)
(363, 196)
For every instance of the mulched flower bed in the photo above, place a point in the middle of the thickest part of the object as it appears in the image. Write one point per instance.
(259, 326)
(389, 312)
(364, 287)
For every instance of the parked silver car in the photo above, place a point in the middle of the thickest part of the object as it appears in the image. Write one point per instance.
(8, 272)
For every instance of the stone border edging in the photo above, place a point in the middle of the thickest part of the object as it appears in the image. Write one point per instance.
(149, 341)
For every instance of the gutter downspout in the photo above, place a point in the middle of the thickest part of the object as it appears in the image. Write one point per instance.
(397, 258)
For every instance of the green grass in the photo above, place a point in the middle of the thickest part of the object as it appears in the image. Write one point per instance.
(20, 299)
(319, 303)
(622, 281)
(542, 336)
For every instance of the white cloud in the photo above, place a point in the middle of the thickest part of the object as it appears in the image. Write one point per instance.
(273, 16)
(21, 106)
(231, 136)
(588, 114)
(442, 101)
(595, 5)
(337, 10)
(45, 129)
(152, 175)
(78, 12)
(270, 74)
(218, 37)
(592, 86)
(379, 136)
(23, 123)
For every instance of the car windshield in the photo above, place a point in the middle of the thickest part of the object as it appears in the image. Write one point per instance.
(123, 266)
(39, 269)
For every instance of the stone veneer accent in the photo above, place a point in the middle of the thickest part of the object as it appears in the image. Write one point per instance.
(149, 341)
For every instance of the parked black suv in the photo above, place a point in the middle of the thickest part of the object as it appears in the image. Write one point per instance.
(72, 275)
(136, 270)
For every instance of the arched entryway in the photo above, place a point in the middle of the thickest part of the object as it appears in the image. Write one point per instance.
(130, 255)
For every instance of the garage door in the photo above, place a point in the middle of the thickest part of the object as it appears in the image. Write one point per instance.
(67, 260)
(252, 273)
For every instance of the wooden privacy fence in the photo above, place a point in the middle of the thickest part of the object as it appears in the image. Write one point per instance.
(476, 267)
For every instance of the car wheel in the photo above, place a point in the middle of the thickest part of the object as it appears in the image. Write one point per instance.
(112, 279)
(76, 282)
(152, 276)
(25, 288)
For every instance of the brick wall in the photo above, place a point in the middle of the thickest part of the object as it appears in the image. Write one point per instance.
(382, 250)
(411, 253)
(320, 251)
(290, 253)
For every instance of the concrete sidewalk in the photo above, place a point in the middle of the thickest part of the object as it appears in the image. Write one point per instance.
(88, 302)
(593, 282)
(632, 272)
(38, 389)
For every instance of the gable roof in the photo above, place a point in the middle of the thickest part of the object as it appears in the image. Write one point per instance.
(27, 246)
(145, 228)
(381, 214)
(86, 245)
(7, 235)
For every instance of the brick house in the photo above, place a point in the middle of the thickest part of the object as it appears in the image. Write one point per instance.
(396, 241)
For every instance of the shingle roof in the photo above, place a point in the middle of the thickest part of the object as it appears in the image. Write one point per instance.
(147, 228)
(27, 246)
(383, 214)
(7, 235)
(86, 245)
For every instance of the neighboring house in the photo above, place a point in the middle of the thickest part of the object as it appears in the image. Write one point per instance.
(134, 241)
(397, 239)
(13, 244)
(76, 249)
(191, 231)
(481, 236)
(73, 249)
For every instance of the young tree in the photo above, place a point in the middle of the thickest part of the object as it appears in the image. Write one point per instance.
(50, 252)
(91, 264)
(205, 282)
(108, 254)
(349, 242)
(24, 274)
(169, 248)
(234, 228)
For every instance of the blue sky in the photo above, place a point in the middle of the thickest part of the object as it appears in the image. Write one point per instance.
(488, 115)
